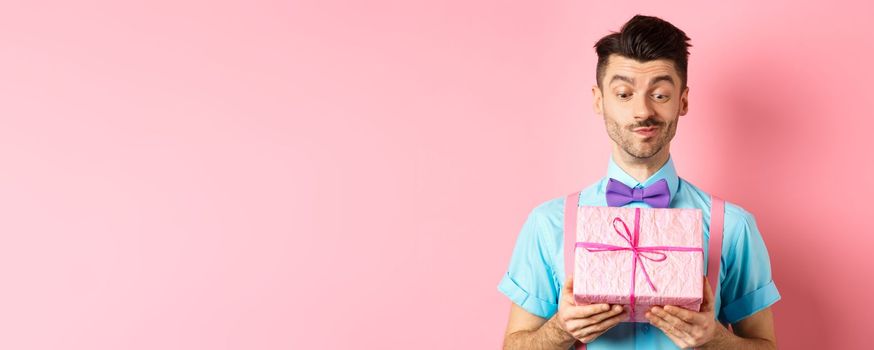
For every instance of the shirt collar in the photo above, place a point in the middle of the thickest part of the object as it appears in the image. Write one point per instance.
(667, 172)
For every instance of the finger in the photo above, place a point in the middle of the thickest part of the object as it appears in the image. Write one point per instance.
(707, 303)
(683, 314)
(666, 327)
(607, 323)
(586, 311)
(603, 326)
(585, 321)
(591, 337)
(673, 320)
(613, 311)
(680, 343)
(567, 291)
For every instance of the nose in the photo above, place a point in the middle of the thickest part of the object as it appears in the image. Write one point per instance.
(642, 107)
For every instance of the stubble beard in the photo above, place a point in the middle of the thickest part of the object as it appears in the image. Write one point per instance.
(625, 138)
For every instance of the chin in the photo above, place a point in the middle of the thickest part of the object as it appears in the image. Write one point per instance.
(645, 153)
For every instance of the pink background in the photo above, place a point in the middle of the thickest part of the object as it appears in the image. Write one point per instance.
(316, 174)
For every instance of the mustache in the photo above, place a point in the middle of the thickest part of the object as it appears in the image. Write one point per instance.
(646, 123)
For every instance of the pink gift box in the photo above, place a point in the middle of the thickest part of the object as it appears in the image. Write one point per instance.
(605, 265)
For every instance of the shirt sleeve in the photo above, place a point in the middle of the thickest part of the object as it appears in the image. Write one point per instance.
(747, 286)
(528, 281)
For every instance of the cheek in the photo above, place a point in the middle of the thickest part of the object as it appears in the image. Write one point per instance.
(672, 106)
(610, 117)
(616, 112)
(615, 106)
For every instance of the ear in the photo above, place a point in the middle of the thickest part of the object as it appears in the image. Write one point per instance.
(597, 102)
(684, 101)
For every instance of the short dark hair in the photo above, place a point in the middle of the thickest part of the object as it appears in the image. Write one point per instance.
(645, 38)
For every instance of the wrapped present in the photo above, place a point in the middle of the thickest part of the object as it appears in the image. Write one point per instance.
(639, 257)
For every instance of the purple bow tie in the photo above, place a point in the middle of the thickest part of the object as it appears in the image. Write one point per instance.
(656, 195)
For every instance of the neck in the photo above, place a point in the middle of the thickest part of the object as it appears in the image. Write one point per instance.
(640, 168)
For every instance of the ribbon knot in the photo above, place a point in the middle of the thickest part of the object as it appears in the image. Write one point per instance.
(653, 253)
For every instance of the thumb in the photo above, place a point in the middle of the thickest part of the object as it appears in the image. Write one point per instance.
(567, 291)
(707, 303)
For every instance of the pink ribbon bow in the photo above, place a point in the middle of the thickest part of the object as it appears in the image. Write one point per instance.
(637, 252)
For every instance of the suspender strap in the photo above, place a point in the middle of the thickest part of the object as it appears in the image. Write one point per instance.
(570, 232)
(571, 205)
(714, 255)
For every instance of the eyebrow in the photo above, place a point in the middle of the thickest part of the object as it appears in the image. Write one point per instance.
(622, 78)
(657, 79)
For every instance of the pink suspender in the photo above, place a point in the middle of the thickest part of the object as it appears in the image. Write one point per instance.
(570, 241)
(717, 212)
(714, 255)
(570, 232)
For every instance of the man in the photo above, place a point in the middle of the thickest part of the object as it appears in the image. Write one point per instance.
(641, 92)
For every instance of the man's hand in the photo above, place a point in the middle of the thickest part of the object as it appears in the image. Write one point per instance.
(586, 322)
(690, 329)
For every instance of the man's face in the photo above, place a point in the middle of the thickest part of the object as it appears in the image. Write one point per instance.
(641, 103)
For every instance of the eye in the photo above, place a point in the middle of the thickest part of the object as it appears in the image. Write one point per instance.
(660, 97)
(623, 95)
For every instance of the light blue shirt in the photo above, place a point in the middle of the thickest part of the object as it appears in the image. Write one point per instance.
(535, 277)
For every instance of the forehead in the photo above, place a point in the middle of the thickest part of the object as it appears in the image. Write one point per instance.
(640, 72)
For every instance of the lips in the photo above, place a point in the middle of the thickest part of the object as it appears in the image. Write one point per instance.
(649, 131)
